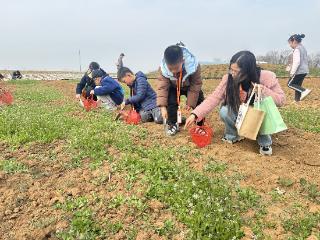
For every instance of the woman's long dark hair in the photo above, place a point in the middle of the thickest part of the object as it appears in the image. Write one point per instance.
(249, 73)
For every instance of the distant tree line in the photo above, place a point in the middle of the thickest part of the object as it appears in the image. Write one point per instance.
(285, 56)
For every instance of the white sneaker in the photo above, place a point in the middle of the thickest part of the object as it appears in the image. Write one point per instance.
(267, 150)
(304, 94)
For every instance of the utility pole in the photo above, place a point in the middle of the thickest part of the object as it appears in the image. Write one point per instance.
(80, 60)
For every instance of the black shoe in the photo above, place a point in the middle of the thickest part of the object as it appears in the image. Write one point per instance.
(172, 129)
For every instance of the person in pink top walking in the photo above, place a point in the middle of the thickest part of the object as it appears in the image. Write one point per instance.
(234, 89)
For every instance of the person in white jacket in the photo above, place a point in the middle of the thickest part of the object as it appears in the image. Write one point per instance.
(299, 67)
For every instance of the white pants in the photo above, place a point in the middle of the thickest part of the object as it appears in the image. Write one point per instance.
(107, 102)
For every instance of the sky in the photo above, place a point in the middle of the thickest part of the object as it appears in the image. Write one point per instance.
(47, 35)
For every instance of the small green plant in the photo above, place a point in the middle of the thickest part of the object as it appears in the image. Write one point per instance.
(116, 202)
(167, 228)
(285, 182)
(277, 194)
(82, 227)
(248, 198)
(113, 228)
(102, 179)
(42, 222)
(310, 190)
(136, 203)
(215, 167)
(132, 233)
(12, 166)
(73, 204)
(301, 226)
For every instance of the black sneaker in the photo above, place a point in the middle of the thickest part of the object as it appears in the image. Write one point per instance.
(172, 129)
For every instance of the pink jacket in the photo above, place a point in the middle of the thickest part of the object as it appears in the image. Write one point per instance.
(270, 87)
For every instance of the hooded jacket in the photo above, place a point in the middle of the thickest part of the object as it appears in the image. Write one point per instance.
(144, 97)
(110, 87)
(191, 80)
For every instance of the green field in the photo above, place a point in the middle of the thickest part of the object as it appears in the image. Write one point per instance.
(129, 183)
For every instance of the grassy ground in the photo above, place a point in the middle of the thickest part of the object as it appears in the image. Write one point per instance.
(70, 174)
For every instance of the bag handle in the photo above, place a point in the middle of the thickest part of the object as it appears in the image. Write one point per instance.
(251, 95)
(259, 96)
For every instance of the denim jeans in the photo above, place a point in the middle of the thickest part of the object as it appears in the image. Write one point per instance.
(231, 133)
(152, 115)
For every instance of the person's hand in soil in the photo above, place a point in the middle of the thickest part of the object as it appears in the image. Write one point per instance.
(190, 121)
(164, 112)
(91, 92)
(78, 96)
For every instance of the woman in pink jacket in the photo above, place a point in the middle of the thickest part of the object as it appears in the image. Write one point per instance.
(234, 89)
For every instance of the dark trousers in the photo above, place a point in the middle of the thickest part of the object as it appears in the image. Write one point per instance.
(173, 105)
(295, 83)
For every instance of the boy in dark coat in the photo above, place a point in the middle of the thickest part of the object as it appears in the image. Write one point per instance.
(143, 97)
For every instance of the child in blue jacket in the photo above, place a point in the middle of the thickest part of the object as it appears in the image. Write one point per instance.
(143, 97)
(87, 84)
(107, 90)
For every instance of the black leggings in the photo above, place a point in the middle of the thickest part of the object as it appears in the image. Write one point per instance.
(295, 83)
(173, 105)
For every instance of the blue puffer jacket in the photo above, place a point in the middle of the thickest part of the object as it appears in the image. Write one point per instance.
(144, 97)
(110, 87)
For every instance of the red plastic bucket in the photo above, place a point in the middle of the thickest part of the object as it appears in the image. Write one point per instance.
(201, 135)
(6, 98)
(132, 117)
(89, 103)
